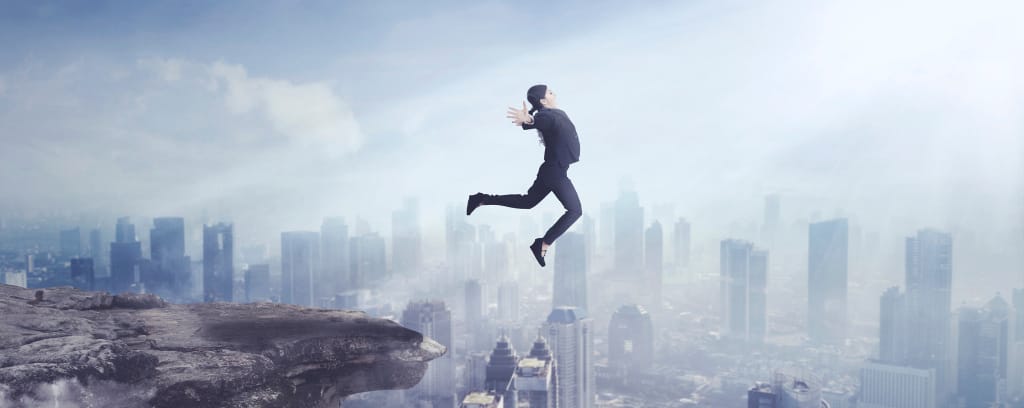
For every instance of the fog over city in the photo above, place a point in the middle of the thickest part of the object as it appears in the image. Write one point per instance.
(753, 121)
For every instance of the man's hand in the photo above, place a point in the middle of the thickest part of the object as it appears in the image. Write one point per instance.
(519, 116)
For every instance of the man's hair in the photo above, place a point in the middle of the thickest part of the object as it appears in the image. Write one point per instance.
(535, 94)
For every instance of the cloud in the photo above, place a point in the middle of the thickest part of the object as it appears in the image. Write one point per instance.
(173, 136)
(310, 113)
(169, 69)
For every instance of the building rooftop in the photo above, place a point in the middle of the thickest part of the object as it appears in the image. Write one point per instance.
(565, 315)
(532, 367)
(532, 363)
(480, 399)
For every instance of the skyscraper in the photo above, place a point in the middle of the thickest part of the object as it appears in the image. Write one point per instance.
(500, 370)
(892, 330)
(475, 312)
(761, 395)
(757, 296)
(984, 353)
(300, 257)
(629, 235)
(99, 259)
(257, 283)
(572, 342)
(218, 263)
(535, 378)
(82, 274)
(405, 239)
(630, 341)
(335, 250)
(508, 301)
(827, 281)
(434, 320)
(929, 277)
(171, 271)
(125, 253)
(496, 261)
(1018, 307)
(167, 238)
(570, 281)
(606, 228)
(1018, 313)
(681, 243)
(589, 231)
(368, 260)
(1015, 380)
(743, 279)
(476, 370)
(124, 231)
(653, 264)
(460, 240)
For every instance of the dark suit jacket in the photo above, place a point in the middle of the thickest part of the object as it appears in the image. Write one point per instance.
(561, 144)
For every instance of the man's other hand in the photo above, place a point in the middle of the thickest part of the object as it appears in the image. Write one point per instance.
(519, 116)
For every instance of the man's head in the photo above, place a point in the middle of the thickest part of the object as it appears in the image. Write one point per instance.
(540, 95)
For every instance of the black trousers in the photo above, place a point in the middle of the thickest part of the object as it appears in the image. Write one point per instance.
(551, 177)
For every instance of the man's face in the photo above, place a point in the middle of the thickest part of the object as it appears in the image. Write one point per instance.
(549, 99)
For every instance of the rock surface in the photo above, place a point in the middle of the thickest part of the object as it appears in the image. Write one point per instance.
(198, 355)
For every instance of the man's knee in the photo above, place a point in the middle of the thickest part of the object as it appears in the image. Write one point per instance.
(575, 213)
(534, 196)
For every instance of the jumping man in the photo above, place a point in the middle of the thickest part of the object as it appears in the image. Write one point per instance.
(561, 148)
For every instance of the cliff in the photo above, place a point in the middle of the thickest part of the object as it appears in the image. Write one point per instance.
(137, 350)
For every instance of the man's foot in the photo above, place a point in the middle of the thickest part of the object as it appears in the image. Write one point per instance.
(474, 201)
(539, 249)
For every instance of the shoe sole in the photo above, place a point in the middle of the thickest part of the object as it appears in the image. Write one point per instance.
(540, 259)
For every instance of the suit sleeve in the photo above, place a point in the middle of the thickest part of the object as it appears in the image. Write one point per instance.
(541, 122)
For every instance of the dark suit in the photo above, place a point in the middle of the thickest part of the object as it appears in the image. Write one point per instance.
(561, 144)
(561, 149)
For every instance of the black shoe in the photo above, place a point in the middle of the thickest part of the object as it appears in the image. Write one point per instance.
(474, 201)
(536, 248)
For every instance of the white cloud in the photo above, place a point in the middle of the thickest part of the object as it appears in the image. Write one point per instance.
(169, 69)
(310, 113)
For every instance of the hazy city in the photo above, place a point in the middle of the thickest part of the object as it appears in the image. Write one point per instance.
(788, 205)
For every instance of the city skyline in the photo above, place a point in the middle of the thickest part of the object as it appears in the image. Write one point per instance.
(785, 204)
(849, 153)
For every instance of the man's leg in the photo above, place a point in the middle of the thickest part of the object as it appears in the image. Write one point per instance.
(566, 193)
(533, 195)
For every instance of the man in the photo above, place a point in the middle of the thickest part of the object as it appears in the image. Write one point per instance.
(561, 149)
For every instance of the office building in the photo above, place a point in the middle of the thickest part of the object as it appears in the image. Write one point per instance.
(218, 263)
(570, 335)
(300, 259)
(570, 280)
(827, 281)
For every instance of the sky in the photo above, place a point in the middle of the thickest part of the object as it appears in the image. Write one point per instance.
(275, 114)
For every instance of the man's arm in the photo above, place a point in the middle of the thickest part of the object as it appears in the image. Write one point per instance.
(540, 121)
(529, 123)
